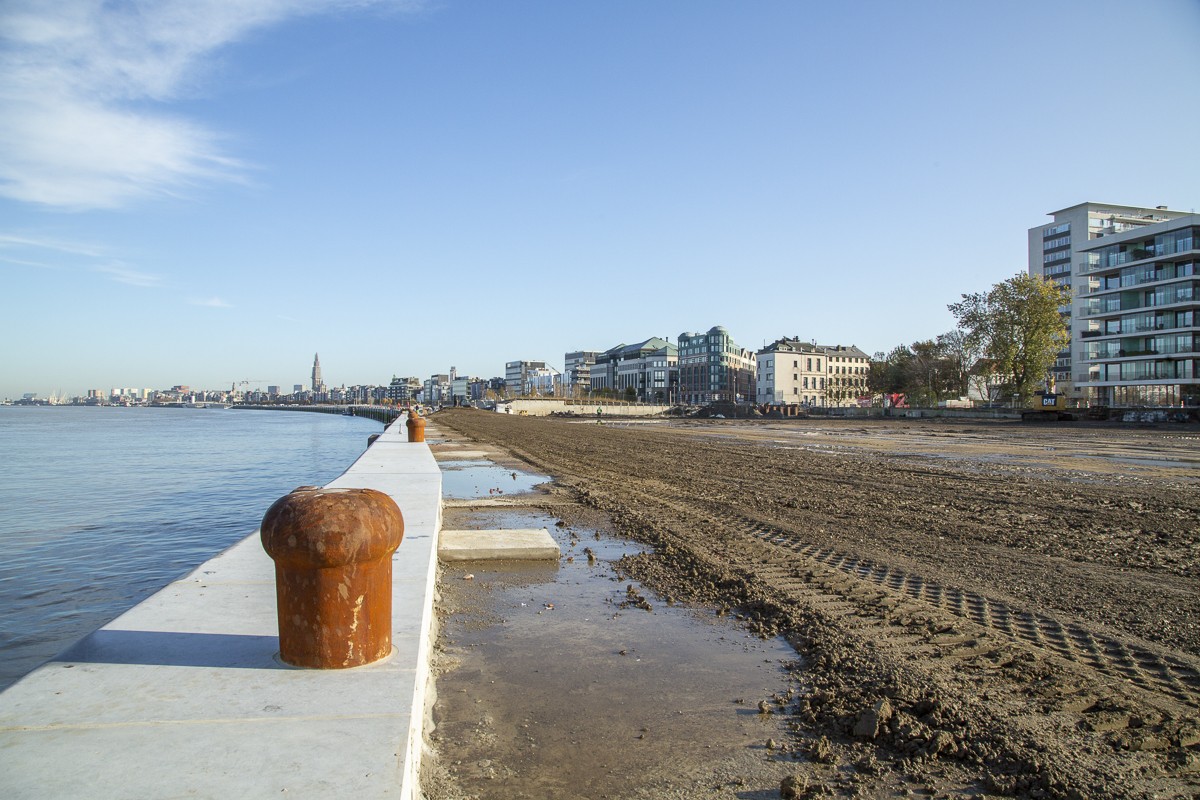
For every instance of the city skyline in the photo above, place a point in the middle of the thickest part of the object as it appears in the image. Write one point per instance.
(205, 194)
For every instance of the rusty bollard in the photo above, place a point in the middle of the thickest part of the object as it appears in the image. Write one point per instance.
(332, 550)
(416, 426)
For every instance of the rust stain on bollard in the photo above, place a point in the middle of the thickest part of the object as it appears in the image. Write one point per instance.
(416, 426)
(332, 550)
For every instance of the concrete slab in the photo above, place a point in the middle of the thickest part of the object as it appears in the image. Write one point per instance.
(454, 455)
(524, 544)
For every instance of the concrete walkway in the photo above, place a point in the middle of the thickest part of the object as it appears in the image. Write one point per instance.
(184, 695)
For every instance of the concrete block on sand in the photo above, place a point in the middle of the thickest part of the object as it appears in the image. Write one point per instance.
(524, 544)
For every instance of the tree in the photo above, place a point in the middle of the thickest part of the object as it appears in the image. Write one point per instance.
(1017, 325)
(960, 355)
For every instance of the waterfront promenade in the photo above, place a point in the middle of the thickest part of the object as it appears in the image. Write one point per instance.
(184, 694)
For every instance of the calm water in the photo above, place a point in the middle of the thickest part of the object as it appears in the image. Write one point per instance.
(101, 507)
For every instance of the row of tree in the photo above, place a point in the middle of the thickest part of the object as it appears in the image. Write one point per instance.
(1006, 342)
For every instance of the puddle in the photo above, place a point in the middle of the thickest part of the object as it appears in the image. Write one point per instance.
(560, 686)
(465, 479)
(1140, 461)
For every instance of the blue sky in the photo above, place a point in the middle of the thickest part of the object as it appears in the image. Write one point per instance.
(210, 191)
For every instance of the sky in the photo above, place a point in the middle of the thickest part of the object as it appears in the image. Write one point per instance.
(206, 192)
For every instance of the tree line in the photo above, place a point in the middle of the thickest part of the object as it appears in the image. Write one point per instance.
(1006, 341)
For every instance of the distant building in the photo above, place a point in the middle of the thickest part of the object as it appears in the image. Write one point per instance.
(522, 378)
(460, 390)
(649, 368)
(318, 385)
(794, 372)
(713, 368)
(403, 390)
(577, 372)
(437, 390)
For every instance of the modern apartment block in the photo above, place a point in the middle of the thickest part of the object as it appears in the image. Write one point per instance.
(402, 390)
(522, 378)
(516, 376)
(649, 368)
(1139, 315)
(577, 372)
(712, 368)
(436, 390)
(793, 372)
(1055, 252)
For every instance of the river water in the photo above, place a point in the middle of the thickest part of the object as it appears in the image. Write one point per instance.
(101, 507)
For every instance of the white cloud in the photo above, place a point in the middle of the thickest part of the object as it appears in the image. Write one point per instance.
(45, 252)
(79, 84)
(25, 242)
(22, 262)
(212, 302)
(129, 277)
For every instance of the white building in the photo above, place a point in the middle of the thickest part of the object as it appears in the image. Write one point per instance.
(793, 372)
(577, 372)
(1055, 253)
(530, 378)
(1138, 316)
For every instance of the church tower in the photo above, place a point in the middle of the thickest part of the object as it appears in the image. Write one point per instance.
(317, 385)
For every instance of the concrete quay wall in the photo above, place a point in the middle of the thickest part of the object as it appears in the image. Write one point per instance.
(184, 694)
(545, 407)
(385, 414)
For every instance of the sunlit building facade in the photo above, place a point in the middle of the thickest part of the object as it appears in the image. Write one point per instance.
(714, 369)
(1138, 316)
(1055, 253)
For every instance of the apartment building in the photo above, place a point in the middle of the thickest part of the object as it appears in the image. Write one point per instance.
(524, 378)
(436, 390)
(794, 372)
(516, 376)
(403, 390)
(1138, 315)
(649, 368)
(713, 368)
(1055, 253)
(577, 372)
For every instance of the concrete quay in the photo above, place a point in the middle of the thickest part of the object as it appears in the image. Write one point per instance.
(184, 695)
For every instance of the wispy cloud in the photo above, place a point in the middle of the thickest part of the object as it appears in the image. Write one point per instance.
(26, 242)
(128, 276)
(81, 88)
(24, 262)
(211, 302)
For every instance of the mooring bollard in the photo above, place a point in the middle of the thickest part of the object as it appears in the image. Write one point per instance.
(416, 426)
(332, 550)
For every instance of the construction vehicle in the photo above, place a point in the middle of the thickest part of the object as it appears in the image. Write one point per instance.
(1048, 406)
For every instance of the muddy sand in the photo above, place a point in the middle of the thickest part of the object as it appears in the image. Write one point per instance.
(976, 609)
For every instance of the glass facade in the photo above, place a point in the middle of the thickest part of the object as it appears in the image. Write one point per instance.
(1138, 331)
(712, 368)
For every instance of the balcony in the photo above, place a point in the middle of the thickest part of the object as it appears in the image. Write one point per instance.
(1096, 263)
